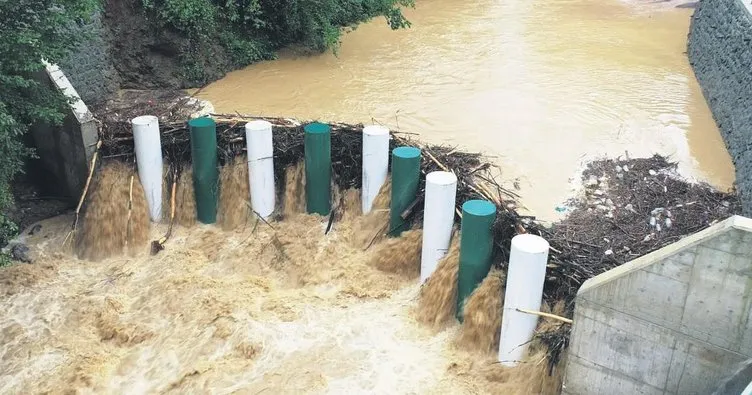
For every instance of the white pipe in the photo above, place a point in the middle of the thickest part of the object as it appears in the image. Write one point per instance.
(258, 135)
(375, 163)
(438, 218)
(524, 290)
(149, 159)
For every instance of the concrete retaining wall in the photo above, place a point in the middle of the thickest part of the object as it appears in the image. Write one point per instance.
(720, 51)
(676, 321)
(89, 67)
(65, 151)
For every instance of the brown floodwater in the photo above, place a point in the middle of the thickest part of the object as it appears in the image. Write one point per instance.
(542, 86)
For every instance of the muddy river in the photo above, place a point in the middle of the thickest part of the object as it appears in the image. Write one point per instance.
(541, 85)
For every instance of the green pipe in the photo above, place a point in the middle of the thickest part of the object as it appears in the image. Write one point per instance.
(205, 171)
(405, 180)
(318, 167)
(476, 248)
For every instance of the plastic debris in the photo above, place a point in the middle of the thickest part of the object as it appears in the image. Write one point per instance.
(668, 223)
(625, 168)
(652, 221)
(608, 252)
(652, 172)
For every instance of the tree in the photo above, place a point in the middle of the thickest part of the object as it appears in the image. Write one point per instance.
(31, 32)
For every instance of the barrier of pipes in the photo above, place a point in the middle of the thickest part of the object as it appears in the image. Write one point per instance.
(524, 290)
(476, 248)
(148, 149)
(318, 168)
(258, 137)
(405, 181)
(438, 219)
(205, 171)
(375, 163)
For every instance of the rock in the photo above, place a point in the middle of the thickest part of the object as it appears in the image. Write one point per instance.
(35, 229)
(20, 252)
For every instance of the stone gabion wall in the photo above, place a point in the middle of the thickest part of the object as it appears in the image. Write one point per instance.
(89, 68)
(720, 51)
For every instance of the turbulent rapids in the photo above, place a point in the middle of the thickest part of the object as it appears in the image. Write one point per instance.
(246, 306)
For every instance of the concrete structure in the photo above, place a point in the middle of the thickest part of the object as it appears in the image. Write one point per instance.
(721, 55)
(676, 321)
(65, 151)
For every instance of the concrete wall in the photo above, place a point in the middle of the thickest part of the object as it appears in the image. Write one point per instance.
(66, 151)
(720, 51)
(672, 322)
(90, 68)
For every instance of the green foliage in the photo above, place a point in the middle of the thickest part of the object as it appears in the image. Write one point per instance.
(245, 51)
(31, 31)
(250, 30)
(8, 230)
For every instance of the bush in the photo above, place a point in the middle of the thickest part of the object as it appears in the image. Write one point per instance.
(8, 230)
(250, 30)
